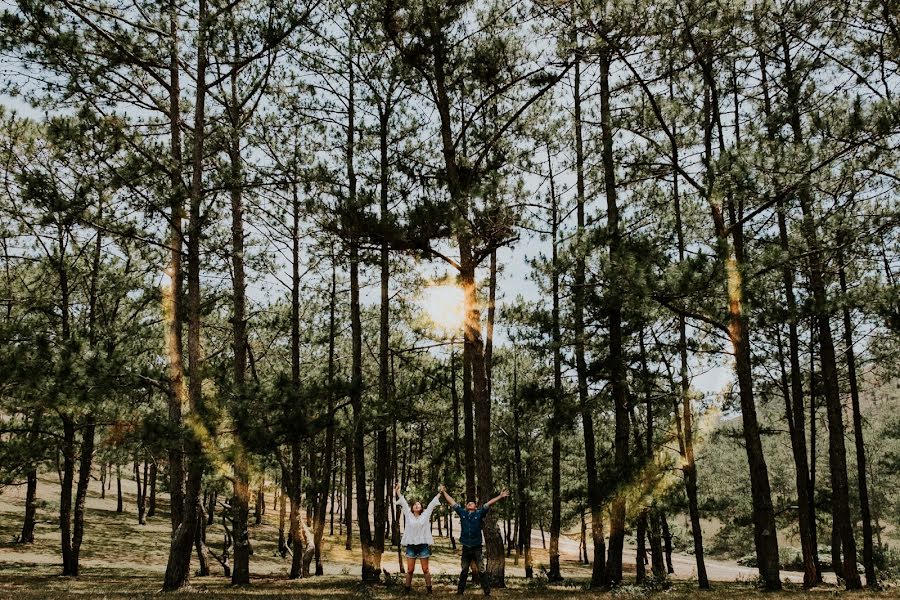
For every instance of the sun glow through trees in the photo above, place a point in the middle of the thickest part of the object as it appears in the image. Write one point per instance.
(445, 306)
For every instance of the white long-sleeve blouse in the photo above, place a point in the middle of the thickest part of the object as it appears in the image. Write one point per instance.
(418, 529)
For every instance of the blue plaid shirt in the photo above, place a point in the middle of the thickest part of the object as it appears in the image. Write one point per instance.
(471, 524)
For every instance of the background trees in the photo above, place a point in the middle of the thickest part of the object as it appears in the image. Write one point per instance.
(200, 201)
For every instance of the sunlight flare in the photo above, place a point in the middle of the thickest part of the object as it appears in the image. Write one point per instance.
(445, 306)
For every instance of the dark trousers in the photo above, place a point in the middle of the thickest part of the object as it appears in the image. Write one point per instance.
(473, 554)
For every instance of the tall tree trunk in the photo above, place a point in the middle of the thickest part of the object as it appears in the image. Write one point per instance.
(495, 567)
(468, 425)
(240, 504)
(454, 408)
(684, 417)
(369, 572)
(28, 523)
(473, 348)
(380, 500)
(294, 476)
(491, 316)
(730, 249)
(173, 310)
(291, 474)
(837, 452)
(865, 513)
(554, 575)
(793, 394)
(521, 494)
(648, 522)
(179, 562)
(329, 470)
(599, 573)
(348, 492)
(618, 368)
(65, 498)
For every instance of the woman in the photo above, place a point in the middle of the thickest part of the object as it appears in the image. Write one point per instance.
(417, 536)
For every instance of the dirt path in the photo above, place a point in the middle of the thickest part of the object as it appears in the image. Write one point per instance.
(685, 565)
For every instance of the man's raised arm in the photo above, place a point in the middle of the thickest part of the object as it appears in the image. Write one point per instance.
(502, 495)
(447, 496)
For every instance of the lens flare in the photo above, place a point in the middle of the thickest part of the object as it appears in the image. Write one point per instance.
(445, 305)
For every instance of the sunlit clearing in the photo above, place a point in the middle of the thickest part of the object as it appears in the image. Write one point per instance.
(445, 305)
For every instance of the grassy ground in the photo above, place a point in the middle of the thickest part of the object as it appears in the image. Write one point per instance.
(121, 559)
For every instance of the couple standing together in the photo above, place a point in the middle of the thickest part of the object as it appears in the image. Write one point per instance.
(418, 539)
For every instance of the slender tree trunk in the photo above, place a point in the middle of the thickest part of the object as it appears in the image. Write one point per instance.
(684, 421)
(618, 369)
(865, 513)
(119, 503)
(328, 471)
(554, 575)
(295, 539)
(454, 407)
(495, 567)
(667, 542)
(837, 451)
(27, 535)
(599, 573)
(491, 316)
(521, 487)
(151, 502)
(369, 572)
(647, 527)
(211, 510)
(178, 567)
(141, 492)
(282, 520)
(240, 504)
(657, 564)
(641, 553)
(173, 310)
(334, 474)
(468, 426)
(348, 492)
(200, 543)
(473, 348)
(380, 480)
(793, 394)
(730, 249)
(65, 499)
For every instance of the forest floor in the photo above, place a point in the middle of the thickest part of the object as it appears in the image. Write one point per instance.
(121, 559)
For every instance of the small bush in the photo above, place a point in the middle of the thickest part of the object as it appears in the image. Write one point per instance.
(628, 592)
(652, 583)
(538, 583)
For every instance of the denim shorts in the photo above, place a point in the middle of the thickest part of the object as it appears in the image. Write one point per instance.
(418, 551)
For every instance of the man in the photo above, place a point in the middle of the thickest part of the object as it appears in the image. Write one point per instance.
(471, 522)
